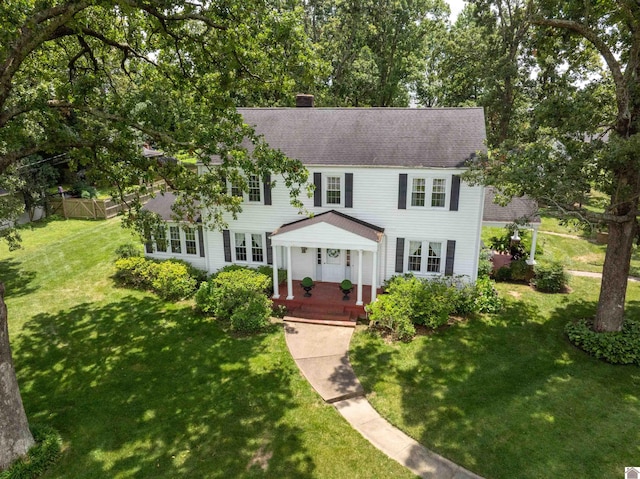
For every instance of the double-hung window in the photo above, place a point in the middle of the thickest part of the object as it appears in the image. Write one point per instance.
(241, 247)
(174, 235)
(438, 192)
(424, 257)
(418, 191)
(428, 192)
(190, 241)
(161, 240)
(249, 247)
(334, 190)
(254, 188)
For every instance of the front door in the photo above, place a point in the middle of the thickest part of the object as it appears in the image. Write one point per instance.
(333, 265)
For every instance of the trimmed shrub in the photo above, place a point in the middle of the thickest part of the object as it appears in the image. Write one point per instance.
(503, 274)
(135, 271)
(252, 315)
(45, 452)
(485, 266)
(486, 297)
(550, 278)
(172, 281)
(129, 250)
(237, 295)
(432, 302)
(620, 347)
(392, 311)
(520, 270)
(205, 300)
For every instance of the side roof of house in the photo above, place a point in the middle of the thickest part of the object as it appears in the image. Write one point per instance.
(518, 208)
(396, 137)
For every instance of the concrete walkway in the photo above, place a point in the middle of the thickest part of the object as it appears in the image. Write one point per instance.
(321, 351)
(590, 274)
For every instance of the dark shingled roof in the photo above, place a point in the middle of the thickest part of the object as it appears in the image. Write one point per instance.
(339, 220)
(406, 137)
(518, 208)
(161, 204)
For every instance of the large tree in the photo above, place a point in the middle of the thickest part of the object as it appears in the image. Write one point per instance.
(584, 129)
(377, 49)
(97, 78)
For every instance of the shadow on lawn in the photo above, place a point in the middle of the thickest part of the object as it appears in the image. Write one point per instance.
(139, 388)
(16, 281)
(484, 393)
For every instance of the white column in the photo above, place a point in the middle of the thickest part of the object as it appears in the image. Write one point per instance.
(359, 286)
(532, 252)
(374, 276)
(289, 274)
(276, 286)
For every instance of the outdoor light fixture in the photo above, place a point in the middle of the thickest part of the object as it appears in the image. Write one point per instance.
(516, 237)
(304, 250)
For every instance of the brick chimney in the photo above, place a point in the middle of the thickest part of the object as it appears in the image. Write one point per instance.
(304, 101)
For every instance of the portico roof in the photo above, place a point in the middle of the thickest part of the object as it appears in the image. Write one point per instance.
(329, 229)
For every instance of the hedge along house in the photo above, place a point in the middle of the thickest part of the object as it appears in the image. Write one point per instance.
(388, 199)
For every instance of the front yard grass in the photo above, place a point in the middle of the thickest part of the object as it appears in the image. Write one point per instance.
(139, 387)
(507, 395)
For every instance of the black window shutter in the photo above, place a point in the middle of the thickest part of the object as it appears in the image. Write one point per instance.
(455, 193)
(148, 246)
(269, 251)
(201, 240)
(348, 190)
(317, 194)
(402, 192)
(226, 239)
(267, 189)
(399, 255)
(451, 253)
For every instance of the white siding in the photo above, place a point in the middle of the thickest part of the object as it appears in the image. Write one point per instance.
(375, 200)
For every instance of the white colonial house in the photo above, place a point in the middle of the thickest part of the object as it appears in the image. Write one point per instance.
(388, 199)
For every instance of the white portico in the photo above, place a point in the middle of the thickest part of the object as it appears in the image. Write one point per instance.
(330, 247)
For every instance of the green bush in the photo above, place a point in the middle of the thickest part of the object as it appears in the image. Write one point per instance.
(135, 271)
(433, 300)
(550, 278)
(503, 274)
(45, 452)
(621, 347)
(486, 297)
(238, 295)
(129, 250)
(485, 266)
(520, 270)
(392, 312)
(172, 281)
(253, 315)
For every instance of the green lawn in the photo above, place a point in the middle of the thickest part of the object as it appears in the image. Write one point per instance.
(580, 254)
(142, 388)
(508, 396)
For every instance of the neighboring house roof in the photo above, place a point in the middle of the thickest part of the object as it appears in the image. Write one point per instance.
(339, 220)
(161, 204)
(518, 208)
(404, 137)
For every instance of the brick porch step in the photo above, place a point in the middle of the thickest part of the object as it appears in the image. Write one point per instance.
(328, 315)
(322, 308)
(326, 322)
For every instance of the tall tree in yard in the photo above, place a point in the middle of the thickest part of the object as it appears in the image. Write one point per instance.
(584, 129)
(96, 79)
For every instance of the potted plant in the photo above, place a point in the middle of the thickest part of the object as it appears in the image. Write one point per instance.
(307, 285)
(346, 287)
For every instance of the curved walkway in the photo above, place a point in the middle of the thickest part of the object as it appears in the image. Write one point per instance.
(321, 351)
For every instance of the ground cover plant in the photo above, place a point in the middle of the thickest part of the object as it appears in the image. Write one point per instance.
(507, 395)
(141, 387)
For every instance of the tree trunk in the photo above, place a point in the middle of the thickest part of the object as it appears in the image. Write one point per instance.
(15, 436)
(610, 313)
